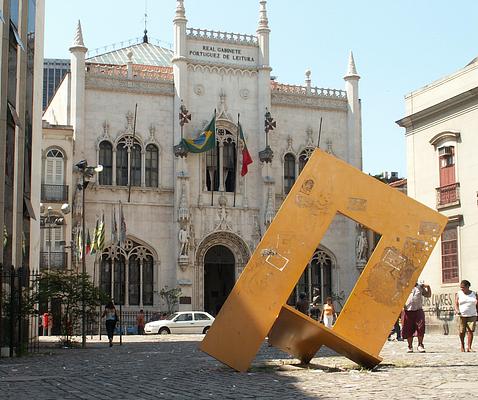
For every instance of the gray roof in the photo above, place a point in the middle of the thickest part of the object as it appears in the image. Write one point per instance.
(143, 53)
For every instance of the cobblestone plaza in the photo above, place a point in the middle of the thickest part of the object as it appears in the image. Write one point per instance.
(172, 367)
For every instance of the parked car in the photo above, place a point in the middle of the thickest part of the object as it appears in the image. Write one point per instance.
(181, 322)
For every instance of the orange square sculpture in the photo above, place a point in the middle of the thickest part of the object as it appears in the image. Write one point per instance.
(257, 308)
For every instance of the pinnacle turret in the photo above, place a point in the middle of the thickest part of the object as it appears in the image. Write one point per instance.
(352, 70)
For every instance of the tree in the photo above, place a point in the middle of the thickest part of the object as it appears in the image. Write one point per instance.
(171, 297)
(67, 287)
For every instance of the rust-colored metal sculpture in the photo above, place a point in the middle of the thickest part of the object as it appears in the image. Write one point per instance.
(256, 306)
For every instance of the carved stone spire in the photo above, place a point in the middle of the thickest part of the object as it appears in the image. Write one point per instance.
(180, 10)
(352, 70)
(263, 21)
(78, 39)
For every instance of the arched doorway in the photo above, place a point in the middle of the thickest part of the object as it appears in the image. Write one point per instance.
(219, 277)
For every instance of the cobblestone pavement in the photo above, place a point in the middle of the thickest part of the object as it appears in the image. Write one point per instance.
(172, 367)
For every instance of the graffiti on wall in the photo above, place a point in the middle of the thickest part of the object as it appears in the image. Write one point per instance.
(440, 307)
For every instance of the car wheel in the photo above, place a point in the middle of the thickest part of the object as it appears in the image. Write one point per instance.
(205, 329)
(164, 331)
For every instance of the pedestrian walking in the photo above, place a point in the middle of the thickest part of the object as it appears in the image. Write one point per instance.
(111, 320)
(466, 307)
(45, 323)
(140, 322)
(414, 317)
(328, 313)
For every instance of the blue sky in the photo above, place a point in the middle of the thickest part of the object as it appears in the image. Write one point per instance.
(399, 46)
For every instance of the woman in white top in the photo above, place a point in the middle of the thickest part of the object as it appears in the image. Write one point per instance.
(466, 308)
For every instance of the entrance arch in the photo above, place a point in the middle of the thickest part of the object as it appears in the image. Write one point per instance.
(219, 277)
(234, 244)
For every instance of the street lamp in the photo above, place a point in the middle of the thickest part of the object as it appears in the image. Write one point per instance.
(87, 172)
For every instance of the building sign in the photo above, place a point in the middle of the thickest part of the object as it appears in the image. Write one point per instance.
(223, 53)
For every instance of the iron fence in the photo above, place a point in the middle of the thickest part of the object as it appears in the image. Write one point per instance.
(18, 315)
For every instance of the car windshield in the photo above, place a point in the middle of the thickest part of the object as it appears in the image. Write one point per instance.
(171, 316)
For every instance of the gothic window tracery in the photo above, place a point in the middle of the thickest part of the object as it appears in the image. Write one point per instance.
(127, 274)
(221, 163)
(106, 160)
(289, 172)
(151, 165)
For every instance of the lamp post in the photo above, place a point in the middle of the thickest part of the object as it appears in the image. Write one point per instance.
(87, 172)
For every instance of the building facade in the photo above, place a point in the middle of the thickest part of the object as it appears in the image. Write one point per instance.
(441, 122)
(193, 220)
(21, 58)
(54, 70)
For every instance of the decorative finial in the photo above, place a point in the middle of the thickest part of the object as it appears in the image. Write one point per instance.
(352, 70)
(263, 21)
(129, 54)
(78, 40)
(307, 77)
(180, 11)
(145, 37)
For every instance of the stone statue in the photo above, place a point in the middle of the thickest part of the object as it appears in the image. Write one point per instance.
(361, 246)
(183, 242)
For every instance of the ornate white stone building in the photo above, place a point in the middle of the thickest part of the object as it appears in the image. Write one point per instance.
(192, 220)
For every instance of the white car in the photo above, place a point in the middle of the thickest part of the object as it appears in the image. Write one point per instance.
(181, 322)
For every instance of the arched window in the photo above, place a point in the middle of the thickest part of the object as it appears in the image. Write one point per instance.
(148, 281)
(121, 165)
(133, 281)
(303, 158)
(151, 167)
(132, 264)
(289, 172)
(136, 165)
(106, 160)
(128, 162)
(54, 167)
(220, 171)
(229, 165)
(212, 169)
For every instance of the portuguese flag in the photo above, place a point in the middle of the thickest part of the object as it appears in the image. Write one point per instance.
(246, 156)
(205, 141)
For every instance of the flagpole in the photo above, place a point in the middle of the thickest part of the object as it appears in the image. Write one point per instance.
(237, 158)
(213, 183)
(320, 131)
(131, 164)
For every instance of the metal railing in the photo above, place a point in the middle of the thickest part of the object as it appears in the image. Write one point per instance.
(54, 193)
(17, 323)
(448, 195)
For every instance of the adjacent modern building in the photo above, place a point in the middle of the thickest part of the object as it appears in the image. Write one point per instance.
(21, 59)
(54, 70)
(441, 121)
(192, 220)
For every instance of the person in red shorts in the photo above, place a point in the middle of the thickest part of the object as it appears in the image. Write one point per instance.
(414, 317)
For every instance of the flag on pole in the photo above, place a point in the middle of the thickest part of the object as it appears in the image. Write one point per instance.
(122, 232)
(246, 156)
(88, 243)
(80, 243)
(205, 141)
(100, 242)
(95, 238)
(114, 227)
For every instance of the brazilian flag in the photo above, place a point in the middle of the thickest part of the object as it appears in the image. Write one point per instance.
(205, 141)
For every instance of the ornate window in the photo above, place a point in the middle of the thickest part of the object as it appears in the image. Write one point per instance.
(449, 255)
(304, 157)
(151, 166)
(127, 273)
(221, 163)
(128, 162)
(106, 160)
(289, 172)
(54, 167)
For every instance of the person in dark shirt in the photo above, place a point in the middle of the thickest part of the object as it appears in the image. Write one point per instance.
(302, 305)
